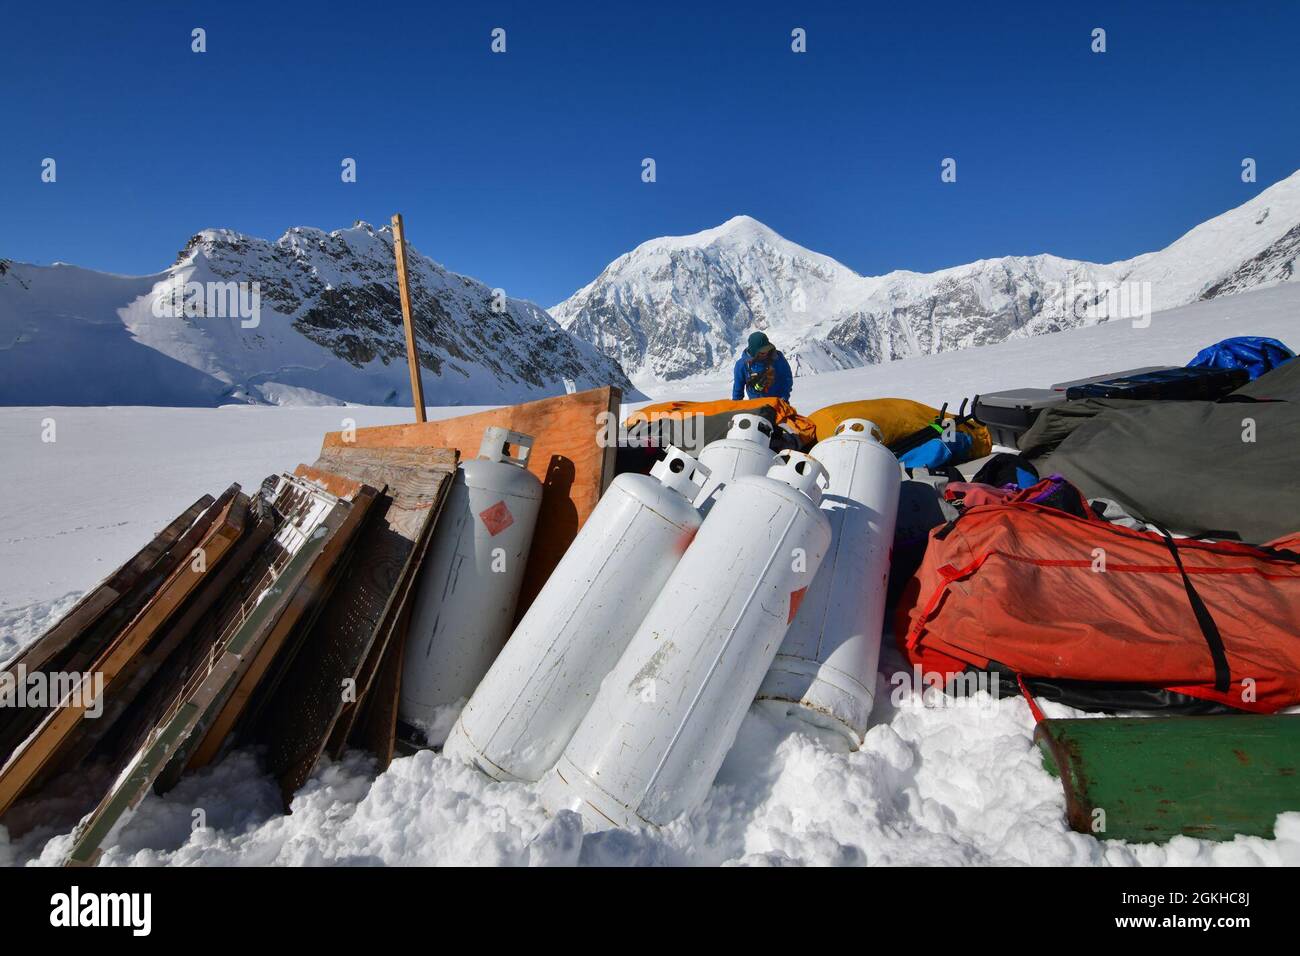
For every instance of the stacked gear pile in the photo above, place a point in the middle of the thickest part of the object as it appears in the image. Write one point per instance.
(1224, 469)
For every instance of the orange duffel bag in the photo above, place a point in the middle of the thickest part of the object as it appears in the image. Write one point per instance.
(1101, 616)
(692, 425)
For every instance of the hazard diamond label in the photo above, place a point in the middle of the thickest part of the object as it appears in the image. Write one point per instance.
(796, 598)
(497, 518)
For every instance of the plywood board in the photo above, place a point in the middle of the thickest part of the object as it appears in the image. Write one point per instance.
(333, 673)
(569, 457)
(58, 726)
(376, 726)
(178, 556)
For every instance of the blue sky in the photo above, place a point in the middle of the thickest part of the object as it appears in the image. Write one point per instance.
(524, 169)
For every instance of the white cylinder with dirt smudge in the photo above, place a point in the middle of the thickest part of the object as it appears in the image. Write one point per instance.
(825, 672)
(516, 724)
(667, 714)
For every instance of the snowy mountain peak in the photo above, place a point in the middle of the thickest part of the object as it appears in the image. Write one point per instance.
(736, 229)
(681, 306)
(311, 318)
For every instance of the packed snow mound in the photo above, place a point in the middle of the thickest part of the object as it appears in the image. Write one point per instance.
(932, 785)
(311, 318)
(682, 306)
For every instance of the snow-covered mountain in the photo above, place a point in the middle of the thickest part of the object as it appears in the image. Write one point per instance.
(682, 306)
(324, 327)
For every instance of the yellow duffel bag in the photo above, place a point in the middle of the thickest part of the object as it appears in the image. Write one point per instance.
(897, 418)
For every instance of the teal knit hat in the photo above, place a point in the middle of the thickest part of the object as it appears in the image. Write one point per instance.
(757, 342)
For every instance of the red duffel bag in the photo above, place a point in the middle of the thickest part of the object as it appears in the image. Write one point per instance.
(1039, 593)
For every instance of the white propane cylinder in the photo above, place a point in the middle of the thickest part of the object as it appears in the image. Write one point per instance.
(516, 724)
(826, 667)
(747, 450)
(667, 714)
(469, 583)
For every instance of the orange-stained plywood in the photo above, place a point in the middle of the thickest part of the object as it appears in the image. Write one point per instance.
(336, 485)
(568, 457)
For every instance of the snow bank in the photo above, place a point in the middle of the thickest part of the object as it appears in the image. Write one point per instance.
(931, 786)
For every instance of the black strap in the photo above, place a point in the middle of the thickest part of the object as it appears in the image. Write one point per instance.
(1209, 630)
(946, 529)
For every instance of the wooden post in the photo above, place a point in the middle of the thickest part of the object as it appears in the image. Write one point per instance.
(403, 288)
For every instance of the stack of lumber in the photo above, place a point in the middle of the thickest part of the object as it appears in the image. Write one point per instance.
(276, 619)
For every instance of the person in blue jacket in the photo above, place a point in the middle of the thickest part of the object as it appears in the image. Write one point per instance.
(761, 371)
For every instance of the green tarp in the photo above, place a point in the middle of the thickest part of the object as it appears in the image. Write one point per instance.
(1057, 422)
(1281, 384)
(1219, 469)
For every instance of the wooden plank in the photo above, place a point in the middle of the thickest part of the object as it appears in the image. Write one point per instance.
(178, 557)
(305, 516)
(35, 752)
(140, 697)
(568, 457)
(354, 631)
(201, 700)
(335, 484)
(307, 596)
(1147, 779)
(92, 605)
(376, 726)
(269, 688)
(194, 651)
(408, 320)
(77, 655)
(392, 631)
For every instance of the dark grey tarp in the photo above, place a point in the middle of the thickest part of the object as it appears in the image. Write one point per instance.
(1281, 384)
(1188, 467)
(1055, 423)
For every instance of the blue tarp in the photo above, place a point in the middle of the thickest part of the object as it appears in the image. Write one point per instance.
(1254, 353)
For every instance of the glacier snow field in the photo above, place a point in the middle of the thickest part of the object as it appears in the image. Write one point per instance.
(934, 784)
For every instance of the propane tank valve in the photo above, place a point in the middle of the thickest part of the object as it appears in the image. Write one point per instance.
(860, 428)
(747, 427)
(497, 443)
(801, 472)
(681, 472)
